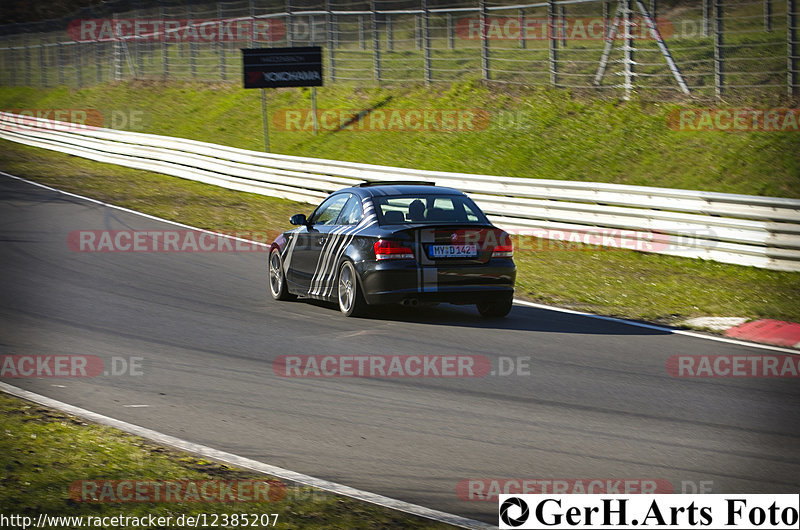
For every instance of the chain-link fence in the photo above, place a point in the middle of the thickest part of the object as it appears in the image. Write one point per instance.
(705, 48)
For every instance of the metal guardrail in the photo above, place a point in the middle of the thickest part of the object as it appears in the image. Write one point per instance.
(742, 229)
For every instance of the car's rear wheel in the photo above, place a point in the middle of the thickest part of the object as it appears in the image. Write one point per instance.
(496, 308)
(351, 299)
(277, 280)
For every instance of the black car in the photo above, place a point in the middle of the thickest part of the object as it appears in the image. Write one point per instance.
(383, 243)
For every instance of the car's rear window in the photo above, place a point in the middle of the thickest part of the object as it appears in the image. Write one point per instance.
(409, 209)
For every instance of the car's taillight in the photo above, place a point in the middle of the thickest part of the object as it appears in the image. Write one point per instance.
(387, 249)
(503, 251)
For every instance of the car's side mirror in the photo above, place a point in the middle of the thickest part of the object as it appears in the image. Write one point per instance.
(298, 219)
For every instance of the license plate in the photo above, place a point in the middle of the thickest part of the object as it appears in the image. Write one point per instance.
(452, 251)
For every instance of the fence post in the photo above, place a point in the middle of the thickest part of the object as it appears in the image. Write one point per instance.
(791, 42)
(628, 64)
(28, 66)
(389, 33)
(418, 31)
(487, 74)
(426, 40)
(163, 38)
(719, 71)
(312, 30)
(77, 58)
(451, 34)
(98, 63)
(653, 8)
(606, 16)
(706, 18)
(552, 31)
(60, 63)
(768, 15)
(221, 47)
(42, 65)
(252, 32)
(192, 44)
(376, 43)
(289, 24)
(362, 41)
(563, 23)
(331, 38)
(522, 42)
(138, 47)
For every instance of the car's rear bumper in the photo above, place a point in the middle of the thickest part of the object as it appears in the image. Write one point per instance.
(389, 282)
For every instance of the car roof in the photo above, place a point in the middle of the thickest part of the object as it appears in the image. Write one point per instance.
(377, 190)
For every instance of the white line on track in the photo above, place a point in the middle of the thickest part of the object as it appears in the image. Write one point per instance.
(246, 463)
(516, 300)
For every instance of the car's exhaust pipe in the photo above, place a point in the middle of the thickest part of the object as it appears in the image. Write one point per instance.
(410, 302)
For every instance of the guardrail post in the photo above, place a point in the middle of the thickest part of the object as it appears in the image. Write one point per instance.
(376, 43)
(553, 36)
(706, 18)
(331, 39)
(522, 42)
(486, 72)
(719, 67)
(791, 42)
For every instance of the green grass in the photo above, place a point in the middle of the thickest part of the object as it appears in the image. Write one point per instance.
(533, 133)
(615, 282)
(45, 451)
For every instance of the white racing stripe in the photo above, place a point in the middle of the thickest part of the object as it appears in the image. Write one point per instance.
(246, 463)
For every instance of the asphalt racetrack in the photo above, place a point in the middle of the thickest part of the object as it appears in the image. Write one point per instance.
(595, 401)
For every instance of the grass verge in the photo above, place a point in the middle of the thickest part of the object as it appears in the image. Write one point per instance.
(622, 283)
(46, 451)
(533, 133)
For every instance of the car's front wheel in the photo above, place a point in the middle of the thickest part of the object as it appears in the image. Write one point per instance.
(497, 308)
(351, 299)
(277, 280)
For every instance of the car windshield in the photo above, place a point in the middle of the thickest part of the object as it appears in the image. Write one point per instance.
(408, 209)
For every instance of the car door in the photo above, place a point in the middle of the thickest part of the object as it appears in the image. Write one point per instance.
(312, 239)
